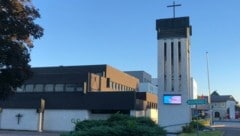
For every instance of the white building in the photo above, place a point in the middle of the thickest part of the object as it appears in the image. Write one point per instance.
(174, 81)
(194, 89)
(223, 106)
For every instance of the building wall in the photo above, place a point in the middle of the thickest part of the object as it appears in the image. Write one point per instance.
(143, 76)
(113, 80)
(151, 113)
(147, 87)
(63, 120)
(79, 78)
(231, 105)
(54, 120)
(122, 79)
(99, 116)
(175, 80)
(193, 89)
(155, 81)
(28, 121)
(219, 109)
(222, 108)
(57, 120)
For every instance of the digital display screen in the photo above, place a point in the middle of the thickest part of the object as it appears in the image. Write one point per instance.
(172, 99)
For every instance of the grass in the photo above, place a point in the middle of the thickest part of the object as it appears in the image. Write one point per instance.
(205, 122)
(204, 133)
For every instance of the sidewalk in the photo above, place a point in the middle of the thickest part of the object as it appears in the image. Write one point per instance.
(229, 123)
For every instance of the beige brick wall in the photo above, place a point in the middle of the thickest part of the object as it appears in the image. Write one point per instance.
(99, 83)
(122, 78)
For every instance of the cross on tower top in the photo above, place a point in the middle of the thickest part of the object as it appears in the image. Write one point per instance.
(173, 6)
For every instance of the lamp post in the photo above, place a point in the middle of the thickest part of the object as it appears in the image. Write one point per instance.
(209, 91)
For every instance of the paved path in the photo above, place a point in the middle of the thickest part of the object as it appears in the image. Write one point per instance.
(27, 133)
(227, 124)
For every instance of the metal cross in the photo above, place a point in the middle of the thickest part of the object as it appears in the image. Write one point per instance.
(19, 116)
(173, 6)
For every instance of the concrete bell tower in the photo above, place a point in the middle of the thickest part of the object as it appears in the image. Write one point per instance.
(173, 36)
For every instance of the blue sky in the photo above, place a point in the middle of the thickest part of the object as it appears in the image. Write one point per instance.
(121, 33)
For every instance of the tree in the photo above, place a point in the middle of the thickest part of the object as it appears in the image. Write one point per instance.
(215, 93)
(118, 125)
(17, 31)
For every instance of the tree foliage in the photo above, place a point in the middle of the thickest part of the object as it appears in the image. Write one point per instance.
(118, 125)
(17, 31)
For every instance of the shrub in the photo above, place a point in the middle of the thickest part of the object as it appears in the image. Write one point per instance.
(118, 125)
(87, 124)
(193, 125)
(187, 129)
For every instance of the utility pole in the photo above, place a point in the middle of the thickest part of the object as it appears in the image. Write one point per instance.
(209, 91)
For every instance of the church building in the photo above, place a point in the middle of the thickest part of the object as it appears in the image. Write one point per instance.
(55, 98)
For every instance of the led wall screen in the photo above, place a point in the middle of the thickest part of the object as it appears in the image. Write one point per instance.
(172, 99)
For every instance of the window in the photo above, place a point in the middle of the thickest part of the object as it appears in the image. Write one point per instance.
(29, 88)
(179, 51)
(165, 51)
(49, 87)
(172, 53)
(108, 82)
(115, 86)
(112, 85)
(79, 88)
(59, 87)
(20, 89)
(38, 88)
(69, 87)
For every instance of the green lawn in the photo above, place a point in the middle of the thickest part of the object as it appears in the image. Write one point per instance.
(204, 133)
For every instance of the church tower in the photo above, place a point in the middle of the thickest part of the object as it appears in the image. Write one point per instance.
(173, 36)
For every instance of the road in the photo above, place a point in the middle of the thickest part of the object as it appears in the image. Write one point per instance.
(229, 131)
(230, 128)
(27, 133)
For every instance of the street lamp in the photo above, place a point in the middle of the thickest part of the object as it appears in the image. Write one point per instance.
(209, 91)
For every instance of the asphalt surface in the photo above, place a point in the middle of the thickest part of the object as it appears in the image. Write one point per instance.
(27, 133)
(229, 131)
(230, 128)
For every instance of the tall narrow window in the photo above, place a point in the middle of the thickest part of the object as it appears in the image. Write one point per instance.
(165, 51)
(179, 51)
(165, 82)
(172, 52)
(172, 66)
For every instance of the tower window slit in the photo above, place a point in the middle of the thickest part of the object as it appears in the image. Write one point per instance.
(165, 51)
(172, 52)
(179, 51)
(172, 65)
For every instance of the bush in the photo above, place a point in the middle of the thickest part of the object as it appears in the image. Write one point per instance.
(193, 125)
(187, 129)
(87, 124)
(118, 125)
